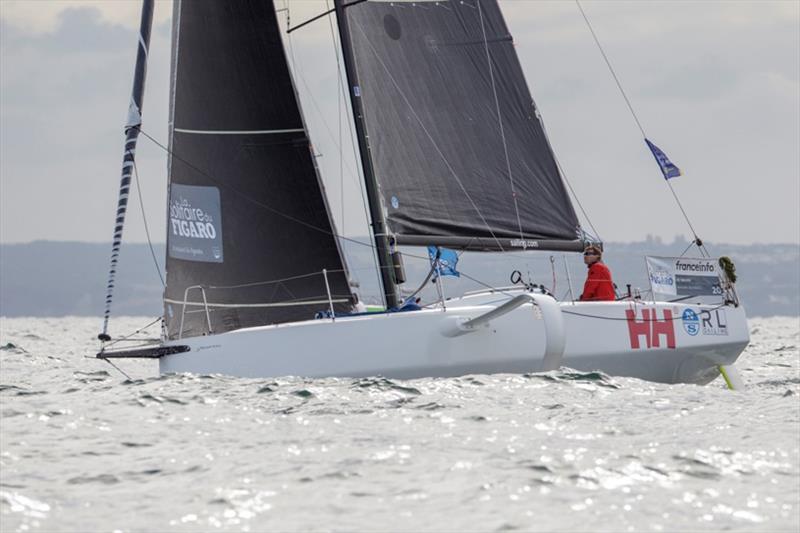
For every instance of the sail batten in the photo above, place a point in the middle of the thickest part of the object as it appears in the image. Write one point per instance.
(454, 135)
(237, 132)
(247, 217)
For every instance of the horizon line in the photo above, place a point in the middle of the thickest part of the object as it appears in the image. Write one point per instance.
(654, 239)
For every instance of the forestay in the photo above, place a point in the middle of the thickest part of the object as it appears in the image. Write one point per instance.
(458, 147)
(246, 205)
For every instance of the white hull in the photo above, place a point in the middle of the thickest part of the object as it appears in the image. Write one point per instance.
(614, 337)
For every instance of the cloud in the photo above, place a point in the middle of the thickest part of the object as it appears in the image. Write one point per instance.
(715, 83)
(44, 16)
(63, 100)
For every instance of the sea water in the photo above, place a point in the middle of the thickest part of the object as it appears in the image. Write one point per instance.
(83, 448)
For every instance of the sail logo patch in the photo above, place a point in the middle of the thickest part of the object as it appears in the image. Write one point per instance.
(691, 324)
(195, 223)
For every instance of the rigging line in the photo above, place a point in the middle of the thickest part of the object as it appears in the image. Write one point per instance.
(360, 183)
(299, 276)
(144, 219)
(462, 251)
(635, 117)
(287, 303)
(424, 283)
(338, 114)
(126, 337)
(610, 68)
(564, 175)
(172, 154)
(281, 280)
(296, 70)
(488, 286)
(141, 343)
(430, 137)
(674, 318)
(697, 240)
(118, 369)
(687, 249)
(357, 177)
(577, 199)
(672, 190)
(500, 122)
(247, 197)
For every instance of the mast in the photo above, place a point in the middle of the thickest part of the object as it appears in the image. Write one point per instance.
(371, 183)
(131, 136)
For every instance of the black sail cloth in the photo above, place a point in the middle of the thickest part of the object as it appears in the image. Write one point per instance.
(246, 205)
(431, 110)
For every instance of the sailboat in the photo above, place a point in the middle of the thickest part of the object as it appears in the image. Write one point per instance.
(454, 156)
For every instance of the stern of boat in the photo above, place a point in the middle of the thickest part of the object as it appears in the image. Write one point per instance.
(661, 341)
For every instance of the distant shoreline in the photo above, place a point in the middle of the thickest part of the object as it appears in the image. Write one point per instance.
(68, 278)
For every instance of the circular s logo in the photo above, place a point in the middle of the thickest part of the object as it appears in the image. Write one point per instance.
(691, 323)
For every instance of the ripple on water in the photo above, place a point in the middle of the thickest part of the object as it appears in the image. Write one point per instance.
(14, 390)
(14, 502)
(562, 450)
(103, 479)
(13, 348)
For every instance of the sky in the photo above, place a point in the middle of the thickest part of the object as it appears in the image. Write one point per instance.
(716, 84)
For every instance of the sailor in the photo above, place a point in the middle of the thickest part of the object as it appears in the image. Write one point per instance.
(598, 286)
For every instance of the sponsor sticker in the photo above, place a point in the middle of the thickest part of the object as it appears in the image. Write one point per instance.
(683, 276)
(662, 281)
(714, 322)
(519, 243)
(698, 285)
(697, 277)
(706, 322)
(662, 277)
(691, 323)
(195, 224)
(650, 328)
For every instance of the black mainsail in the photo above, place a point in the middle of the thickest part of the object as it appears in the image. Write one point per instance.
(456, 141)
(249, 231)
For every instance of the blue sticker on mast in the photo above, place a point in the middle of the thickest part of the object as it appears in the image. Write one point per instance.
(668, 168)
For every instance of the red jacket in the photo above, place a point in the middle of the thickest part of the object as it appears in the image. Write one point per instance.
(598, 286)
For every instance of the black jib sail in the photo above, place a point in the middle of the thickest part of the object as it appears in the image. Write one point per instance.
(249, 232)
(456, 141)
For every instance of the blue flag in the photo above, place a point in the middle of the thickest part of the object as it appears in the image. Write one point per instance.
(445, 265)
(667, 167)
